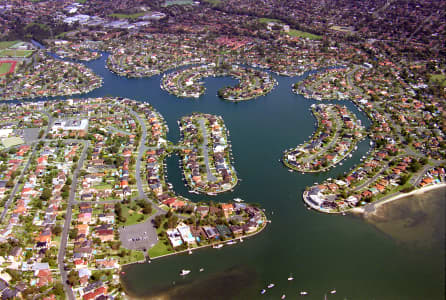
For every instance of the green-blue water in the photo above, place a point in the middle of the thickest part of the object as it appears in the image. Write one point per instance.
(321, 252)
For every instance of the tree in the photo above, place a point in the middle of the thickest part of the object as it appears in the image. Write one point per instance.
(57, 230)
(46, 194)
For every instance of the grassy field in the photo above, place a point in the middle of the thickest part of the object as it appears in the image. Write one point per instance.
(266, 20)
(303, 34)
(5, 67)
(341, 28)
(131, 16)
(15, 53)
(134, 256)
(134, 217)
(12, 141)
(213, 2)
(177, 2)
(440, 78)
(7, 44)
(159, 249)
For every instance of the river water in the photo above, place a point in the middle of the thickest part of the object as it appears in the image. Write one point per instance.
(321, 252)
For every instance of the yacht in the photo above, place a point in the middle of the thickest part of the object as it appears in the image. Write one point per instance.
(231, 243)
(270, 285)
(238, 200)
(217, 246)
(201, 269)
(290, 278)
(283, 296)
(184, 272)
(263, 291)
(304, 293)
(333, 292)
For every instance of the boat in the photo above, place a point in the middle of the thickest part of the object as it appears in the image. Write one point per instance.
(304, 293)
(283, 296)
(184, 272)
(190, 252)
(290, 278)
(263, 291)
(333, 292)
(241, 240)
(238, 200)
(217, 246)
(271, 285)
(231, 242)
(201, 269)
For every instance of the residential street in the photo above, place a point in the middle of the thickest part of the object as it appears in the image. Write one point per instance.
(66, 227)
(210, 176)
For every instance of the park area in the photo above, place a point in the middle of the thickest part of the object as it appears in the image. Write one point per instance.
(7, 66)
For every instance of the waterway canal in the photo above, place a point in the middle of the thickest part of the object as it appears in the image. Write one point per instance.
(321, 252)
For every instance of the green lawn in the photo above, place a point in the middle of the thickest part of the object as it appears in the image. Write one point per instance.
(103, 186)
(267, 20)
(303, 34)
(440, 78)
(177, 2)
(4, 67)
(15, 53)
(213, 2)
(131, 16)
(12, 141)
(159, 249)
(134, 217)
(134, 256)
(7, 44)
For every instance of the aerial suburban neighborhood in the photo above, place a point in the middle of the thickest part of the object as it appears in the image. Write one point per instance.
(83, 169)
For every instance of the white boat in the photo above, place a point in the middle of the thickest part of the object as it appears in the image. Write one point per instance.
(263, 291)
(201, 269)
(333, 292)
(184, 272)
(231, 243)
(271, 285)
(238, 200)
(290, 278)
(217, 246)
(304, 293)
(190, 252)
(283, 296)
(241, 240)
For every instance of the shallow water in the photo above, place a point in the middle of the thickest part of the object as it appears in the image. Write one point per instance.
(416, 221)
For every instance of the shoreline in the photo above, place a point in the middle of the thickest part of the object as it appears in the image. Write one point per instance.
(371, 207)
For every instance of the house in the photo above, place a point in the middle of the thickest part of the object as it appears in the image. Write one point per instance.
(105, 235)
(107, 263)
(228, 209)
(210, 232)
(15, 254)
(44, 277)
(174, 237)
(186, 234)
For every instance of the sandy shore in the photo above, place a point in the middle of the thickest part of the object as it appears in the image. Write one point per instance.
(375, 205)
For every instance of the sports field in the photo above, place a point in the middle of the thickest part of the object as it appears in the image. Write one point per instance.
(7, 44)
(12, 141)
(15, 53)
(7, 66)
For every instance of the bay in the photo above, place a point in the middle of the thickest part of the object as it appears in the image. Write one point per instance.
(321, 252)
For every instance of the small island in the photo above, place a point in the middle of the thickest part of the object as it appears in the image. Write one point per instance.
(186, 83)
